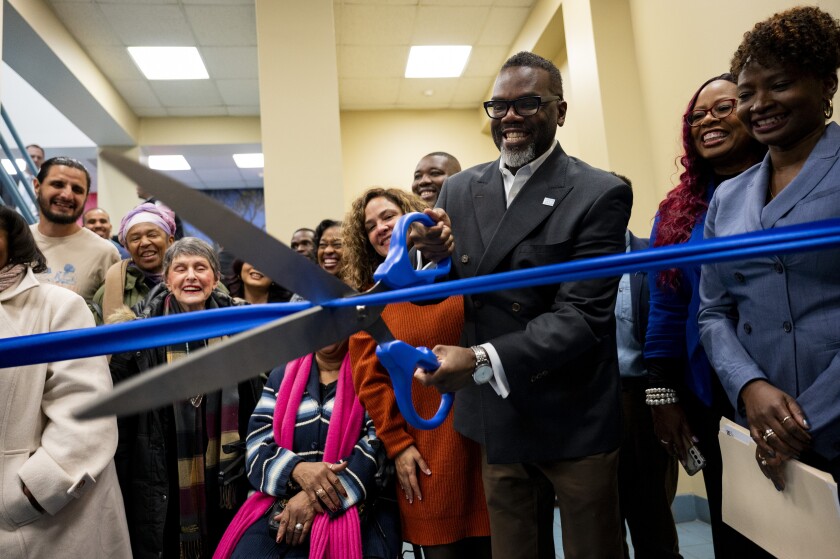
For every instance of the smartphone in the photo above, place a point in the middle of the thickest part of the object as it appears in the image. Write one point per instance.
(694, 461)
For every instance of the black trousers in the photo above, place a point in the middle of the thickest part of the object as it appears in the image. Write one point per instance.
(647, 479)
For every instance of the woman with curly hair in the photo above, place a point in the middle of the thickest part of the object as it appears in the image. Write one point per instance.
(438, 471)
(771, 325)
(716, 147)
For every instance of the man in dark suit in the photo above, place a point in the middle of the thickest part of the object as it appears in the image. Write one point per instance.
(537, 381)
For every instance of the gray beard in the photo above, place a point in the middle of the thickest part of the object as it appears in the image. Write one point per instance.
(519, 158)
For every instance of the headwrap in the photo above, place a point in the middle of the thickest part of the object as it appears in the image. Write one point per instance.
(148, 212)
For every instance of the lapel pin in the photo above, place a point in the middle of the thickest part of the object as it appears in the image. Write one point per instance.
(548, 201)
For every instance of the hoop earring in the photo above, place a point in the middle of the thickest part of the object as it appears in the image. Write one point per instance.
(828, 110)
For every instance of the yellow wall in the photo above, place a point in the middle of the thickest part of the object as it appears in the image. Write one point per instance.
(382, 148)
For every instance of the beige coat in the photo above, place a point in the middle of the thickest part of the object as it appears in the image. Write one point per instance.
(67, 464)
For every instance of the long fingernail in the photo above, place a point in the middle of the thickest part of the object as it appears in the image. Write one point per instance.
(694, 439)
(778, 487)
(806, 423)
(771, 453)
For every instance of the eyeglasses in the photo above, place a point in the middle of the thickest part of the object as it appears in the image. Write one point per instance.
(524, 106)
(719, 110)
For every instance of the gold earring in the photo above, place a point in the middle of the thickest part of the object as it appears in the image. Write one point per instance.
(828, 110)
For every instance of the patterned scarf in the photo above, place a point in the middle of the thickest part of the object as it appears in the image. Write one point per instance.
(10, 274)
(336, 538)
(199, 468)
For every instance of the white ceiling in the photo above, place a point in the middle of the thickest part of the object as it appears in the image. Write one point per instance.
(372, 43)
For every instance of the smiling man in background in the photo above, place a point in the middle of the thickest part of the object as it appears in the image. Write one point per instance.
(76, 257)
(430, 173)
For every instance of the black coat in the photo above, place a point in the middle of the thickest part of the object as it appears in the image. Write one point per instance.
(146, 457)
(556, 342)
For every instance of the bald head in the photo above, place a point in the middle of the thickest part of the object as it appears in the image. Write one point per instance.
(430, 173)
(98, 221)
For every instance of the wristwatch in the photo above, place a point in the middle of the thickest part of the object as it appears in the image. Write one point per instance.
(483, 369)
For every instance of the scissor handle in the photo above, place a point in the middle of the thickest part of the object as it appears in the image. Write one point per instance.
(400, 359)
(398, 271)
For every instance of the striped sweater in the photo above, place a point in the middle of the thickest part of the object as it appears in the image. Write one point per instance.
(269, 466)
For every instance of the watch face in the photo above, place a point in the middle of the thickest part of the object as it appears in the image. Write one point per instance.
(482, 374)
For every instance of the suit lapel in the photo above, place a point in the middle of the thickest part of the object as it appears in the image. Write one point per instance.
(539, 198)
(488, 193)
(821, 159)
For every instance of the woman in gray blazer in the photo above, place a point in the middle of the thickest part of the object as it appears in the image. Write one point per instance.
(771, 325)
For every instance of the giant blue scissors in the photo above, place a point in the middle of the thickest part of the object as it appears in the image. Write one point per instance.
(312, 327)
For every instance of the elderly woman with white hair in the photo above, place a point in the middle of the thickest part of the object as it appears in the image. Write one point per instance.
(146, 232)
(181, 467)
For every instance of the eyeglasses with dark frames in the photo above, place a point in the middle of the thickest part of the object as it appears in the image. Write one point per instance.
(524, 106)
(719, 110)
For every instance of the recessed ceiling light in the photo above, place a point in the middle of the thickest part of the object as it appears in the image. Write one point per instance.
(249, 160)
(10, 169)
(169, 63)
(168, 163)
(437, 61)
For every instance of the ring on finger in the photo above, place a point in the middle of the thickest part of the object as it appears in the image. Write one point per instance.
(320, 492)
(763, 462)
(786, 418)
(298, 527)
(666, 443)
(767, 434)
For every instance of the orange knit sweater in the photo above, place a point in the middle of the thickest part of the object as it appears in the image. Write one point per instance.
(453, 505)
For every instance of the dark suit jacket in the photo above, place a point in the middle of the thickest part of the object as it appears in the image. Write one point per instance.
(556, 342)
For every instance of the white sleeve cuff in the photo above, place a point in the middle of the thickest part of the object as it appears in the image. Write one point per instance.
(499, 381)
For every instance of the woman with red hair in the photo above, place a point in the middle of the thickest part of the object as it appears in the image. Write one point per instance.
(716, 147)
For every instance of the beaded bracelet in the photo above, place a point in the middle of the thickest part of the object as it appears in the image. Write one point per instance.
(660, 396)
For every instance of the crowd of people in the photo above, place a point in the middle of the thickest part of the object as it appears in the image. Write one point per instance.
(583, 396)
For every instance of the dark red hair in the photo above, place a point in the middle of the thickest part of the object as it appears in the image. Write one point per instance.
(681, 209)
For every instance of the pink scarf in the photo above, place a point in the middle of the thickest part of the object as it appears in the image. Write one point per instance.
(337, 538)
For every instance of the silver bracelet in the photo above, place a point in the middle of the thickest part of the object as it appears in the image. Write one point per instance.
(660, 396)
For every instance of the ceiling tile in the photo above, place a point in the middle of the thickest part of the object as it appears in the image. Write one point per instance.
(436, 25)
(371, 62)
(149, 25)
(150, 112)
(186, 93)
(86, 23)
(224, 25)
(197, 111)
(393, 25)
(485, 61)
(367, 92)
(413, 92)
(472, 91)
(239, 92)
(503, 26)
(449, 3)
(248, 110)
(137, 93)
(230, 62)
(518, 3)
(115, 62)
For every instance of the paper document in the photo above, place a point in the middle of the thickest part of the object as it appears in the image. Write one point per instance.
(803, 521)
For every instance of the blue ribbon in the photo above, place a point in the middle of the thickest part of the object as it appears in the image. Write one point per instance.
(154, 332)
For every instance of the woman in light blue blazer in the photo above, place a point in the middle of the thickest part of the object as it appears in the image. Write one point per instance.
(771, 325)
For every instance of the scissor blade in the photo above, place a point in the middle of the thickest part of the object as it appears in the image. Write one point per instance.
(249, 243)
(237, 359)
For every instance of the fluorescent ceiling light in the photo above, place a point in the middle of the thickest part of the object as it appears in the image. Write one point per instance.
(168, 163)
(169, 63)
(10, 169)
(248, 160)
(437, 61)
